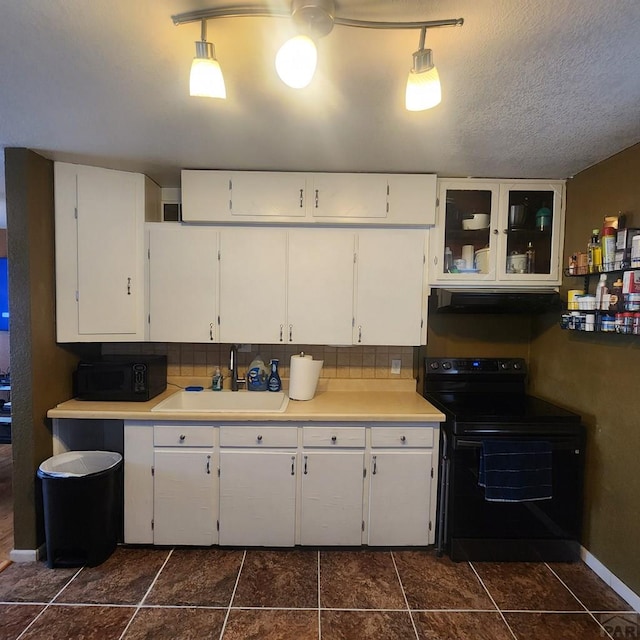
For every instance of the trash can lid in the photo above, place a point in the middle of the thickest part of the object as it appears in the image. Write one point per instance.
(74, 464)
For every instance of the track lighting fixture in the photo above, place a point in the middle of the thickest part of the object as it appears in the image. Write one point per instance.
(297, 58)
(423, 83)
(206, 76)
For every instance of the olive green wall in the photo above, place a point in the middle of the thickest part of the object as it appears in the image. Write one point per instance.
(597, 376)
(40, 369)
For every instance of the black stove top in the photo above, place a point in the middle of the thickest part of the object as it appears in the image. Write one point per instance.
(489, 394)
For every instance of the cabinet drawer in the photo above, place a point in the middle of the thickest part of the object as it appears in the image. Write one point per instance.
(185, 436)
(250, 436)
(402, 436)
(333, 436)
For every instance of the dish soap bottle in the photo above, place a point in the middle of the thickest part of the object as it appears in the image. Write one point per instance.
(257, 375)
(274, 383)
(216, 381)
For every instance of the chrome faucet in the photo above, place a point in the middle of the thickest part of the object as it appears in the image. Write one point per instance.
(233, 368)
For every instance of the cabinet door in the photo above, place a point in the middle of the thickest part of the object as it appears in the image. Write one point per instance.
(320, 286)
(257, 498)
(267, 194)
(253, 285)
(183, 283)
(332, 487)
(99, 254)
(138, 484)
(348, 196)
(184, 501)
(389, 298)
(205, 195)
(399, 498)
(467, 229)
(532, 218)
(412, 199)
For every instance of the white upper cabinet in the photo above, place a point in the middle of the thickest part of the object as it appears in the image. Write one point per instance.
(253, 270)
(99, 236)
(390, 291)
(320, 286)
(498, 233)
(257, 196)
(183, 283)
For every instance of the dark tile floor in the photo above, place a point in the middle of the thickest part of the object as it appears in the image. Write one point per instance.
(306, 594)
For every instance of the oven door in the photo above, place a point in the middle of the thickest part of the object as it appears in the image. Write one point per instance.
(549, 530)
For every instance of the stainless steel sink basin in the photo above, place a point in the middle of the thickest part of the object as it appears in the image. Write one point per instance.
(224, 402)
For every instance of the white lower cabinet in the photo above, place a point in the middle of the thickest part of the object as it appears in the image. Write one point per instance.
(332, 486)
(261, 484)
(184, 497)
(258, 485)
(402, 486)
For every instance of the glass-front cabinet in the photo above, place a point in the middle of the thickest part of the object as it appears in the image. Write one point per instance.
(506, 233)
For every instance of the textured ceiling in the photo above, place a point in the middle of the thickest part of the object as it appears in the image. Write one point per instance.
(531, 88)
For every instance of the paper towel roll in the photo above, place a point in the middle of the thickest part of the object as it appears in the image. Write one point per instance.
(304, 372)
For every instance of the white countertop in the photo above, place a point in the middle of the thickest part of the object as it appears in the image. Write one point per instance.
(335, 399)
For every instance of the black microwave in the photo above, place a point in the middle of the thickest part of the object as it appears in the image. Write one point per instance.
(124, 378)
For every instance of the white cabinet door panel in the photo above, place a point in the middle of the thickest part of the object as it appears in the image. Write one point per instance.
(252, 285)
(332, 489)
(349, 195)
(320, 286)
(399, 498)
(184, 502)
(389, 299)
(267, 194)
(183, 282)
(110, 215)
(257, 498)
(205, 195)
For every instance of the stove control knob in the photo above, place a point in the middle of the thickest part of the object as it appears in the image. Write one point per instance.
(433, 365)
(504, 366)
(446, 365)
(517, 366)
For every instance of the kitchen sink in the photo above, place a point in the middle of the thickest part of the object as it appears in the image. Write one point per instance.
(224, 402)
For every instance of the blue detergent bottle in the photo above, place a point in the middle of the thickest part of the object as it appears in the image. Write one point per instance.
(257, 375)
(274, 383)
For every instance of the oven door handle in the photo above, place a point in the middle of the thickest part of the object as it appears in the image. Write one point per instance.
(468, 444)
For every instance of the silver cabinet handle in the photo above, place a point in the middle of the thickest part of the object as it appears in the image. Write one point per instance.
(259, 438)
(305, 465)
(334, 439)
(359, 333)
(211, 331)
(505, 231)
(128, 286)
(301, 198)
(293, 465)
(290, 333)
(403, 438)
(375, 465)
(182, 437)
(495, 232)
(317, 198)
(281, 330)
(208, 464)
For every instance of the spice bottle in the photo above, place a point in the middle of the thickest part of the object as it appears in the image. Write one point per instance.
(608, 248)
(594, 253)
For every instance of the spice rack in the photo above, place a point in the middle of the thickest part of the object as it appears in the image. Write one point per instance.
(623, 320)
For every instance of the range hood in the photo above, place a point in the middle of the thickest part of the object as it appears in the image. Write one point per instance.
(480, 300)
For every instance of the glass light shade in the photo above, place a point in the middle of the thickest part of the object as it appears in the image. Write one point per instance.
(296, 61)
(206, 79)
(423, 90)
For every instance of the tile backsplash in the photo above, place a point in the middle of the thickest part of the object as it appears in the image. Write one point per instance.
(339, 362)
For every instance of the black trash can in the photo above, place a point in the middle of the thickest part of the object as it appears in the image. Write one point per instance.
(82, 498)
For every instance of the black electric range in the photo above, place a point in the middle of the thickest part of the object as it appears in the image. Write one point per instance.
(486, 405)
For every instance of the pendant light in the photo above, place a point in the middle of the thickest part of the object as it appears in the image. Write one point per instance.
(206, 78)
(423, 84)
(296, 61)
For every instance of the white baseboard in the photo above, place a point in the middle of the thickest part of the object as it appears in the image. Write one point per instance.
(26, 555)
(613, 581)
